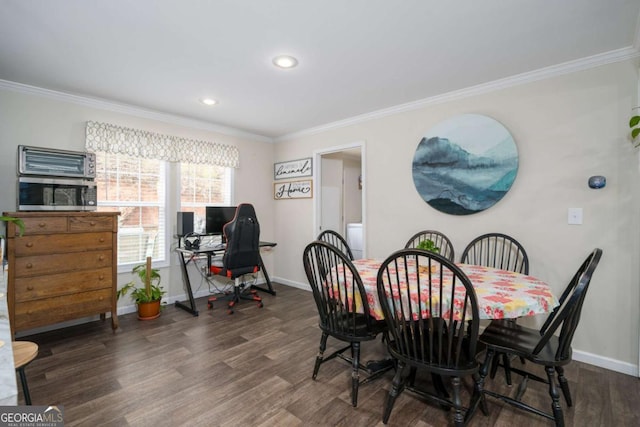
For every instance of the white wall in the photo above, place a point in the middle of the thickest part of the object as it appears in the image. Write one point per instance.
(567, 128)
(41, 121)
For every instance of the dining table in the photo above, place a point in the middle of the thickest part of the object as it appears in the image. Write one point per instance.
(501, 294)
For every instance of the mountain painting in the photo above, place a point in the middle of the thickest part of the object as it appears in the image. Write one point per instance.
(465, 165)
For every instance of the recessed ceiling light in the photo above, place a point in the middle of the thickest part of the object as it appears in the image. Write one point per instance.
(208, 101)
(285, 61)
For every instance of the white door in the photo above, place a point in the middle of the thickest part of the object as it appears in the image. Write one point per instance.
(331, 195)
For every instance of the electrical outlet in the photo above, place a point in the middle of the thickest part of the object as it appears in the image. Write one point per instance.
(574, 216)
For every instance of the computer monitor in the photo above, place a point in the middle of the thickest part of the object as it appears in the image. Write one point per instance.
(217, 217)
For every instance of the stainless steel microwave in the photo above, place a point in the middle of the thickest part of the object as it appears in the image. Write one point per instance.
(56, 194)
(38, 161)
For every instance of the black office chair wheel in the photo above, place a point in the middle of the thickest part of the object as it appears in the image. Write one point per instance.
(260, 305)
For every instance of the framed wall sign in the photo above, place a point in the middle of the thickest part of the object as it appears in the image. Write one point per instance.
(293, 190)
(293, 169)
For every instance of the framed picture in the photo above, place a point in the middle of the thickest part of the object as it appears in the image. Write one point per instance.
(293, 169)
(293, 190)
(465, 165)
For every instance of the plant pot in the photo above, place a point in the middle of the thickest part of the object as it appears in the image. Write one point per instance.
(148, 310)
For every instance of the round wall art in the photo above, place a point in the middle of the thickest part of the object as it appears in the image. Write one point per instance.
(465, 165)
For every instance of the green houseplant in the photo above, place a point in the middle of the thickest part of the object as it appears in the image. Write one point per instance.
(17, 221)
(148, 296)
(634, 125)
(428, 245)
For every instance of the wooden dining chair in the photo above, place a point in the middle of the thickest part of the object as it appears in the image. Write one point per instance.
(501, 251)
(336, 239)
(439, 239)
(432, 328)
(545, 346)
(23, 353)
(342, 307)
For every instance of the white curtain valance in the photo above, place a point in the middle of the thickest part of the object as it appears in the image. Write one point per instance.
(105, 137)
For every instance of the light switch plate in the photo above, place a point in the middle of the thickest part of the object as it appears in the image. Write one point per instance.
(574, 216)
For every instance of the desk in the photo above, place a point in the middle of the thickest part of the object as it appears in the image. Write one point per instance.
(501, 294)
(210, 251)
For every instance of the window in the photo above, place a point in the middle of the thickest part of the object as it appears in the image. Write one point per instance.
(136, 188)
(134, 167)
(201, 186)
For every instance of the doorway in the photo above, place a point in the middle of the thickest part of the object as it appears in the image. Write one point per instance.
(339, 194)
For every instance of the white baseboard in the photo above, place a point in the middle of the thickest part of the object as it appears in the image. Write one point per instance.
(605, 362)
(291, 283)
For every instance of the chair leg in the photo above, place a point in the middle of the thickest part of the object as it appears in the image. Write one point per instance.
(458, 418)
(355, 375)
(396, 388)
(323, 346)
(564, 385)
(484, 370)
(555, 397)
(494, 366)
(25, 387)
(477, 398)
(506, 363)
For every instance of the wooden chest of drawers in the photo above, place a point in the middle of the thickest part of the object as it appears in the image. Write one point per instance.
(63, 267)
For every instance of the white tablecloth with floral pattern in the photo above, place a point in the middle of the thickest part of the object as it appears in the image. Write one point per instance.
(501, 294)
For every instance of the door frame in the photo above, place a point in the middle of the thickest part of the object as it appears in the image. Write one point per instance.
(317, 178)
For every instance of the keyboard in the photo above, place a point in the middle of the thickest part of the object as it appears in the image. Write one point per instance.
(216, 247)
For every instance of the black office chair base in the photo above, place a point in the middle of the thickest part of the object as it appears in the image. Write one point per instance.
(234, 298)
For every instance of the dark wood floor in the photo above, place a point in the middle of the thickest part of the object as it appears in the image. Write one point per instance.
(253, 368)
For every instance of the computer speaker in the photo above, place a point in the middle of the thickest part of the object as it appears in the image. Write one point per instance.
(185, 223)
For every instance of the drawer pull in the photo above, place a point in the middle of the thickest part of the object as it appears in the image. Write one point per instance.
(92, 223)
(100, 298)
(101, 240)
(29, 244)
(42, 224)
(101, 258)
(29, 288)
(29, 265)
(101, 277)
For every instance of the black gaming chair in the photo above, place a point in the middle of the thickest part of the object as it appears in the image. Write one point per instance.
(241, 256)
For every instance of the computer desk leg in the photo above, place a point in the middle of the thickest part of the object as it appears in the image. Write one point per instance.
(266, 278)
(187, 285)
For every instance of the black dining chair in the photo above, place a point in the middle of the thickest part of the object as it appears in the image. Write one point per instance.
(343, 309)
(501, 251)
(543, 347)
(440, 240)
(436, 333)
(496, 250)
(336, 239)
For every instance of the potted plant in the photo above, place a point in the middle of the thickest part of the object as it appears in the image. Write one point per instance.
(148, 296)
(428, 245)
(17, 221)
(634, 125)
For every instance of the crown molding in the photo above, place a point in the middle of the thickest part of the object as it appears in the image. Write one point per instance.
(618, 55)
(104, 104)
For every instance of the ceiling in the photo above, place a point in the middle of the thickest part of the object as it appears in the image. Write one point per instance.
(356, 57)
